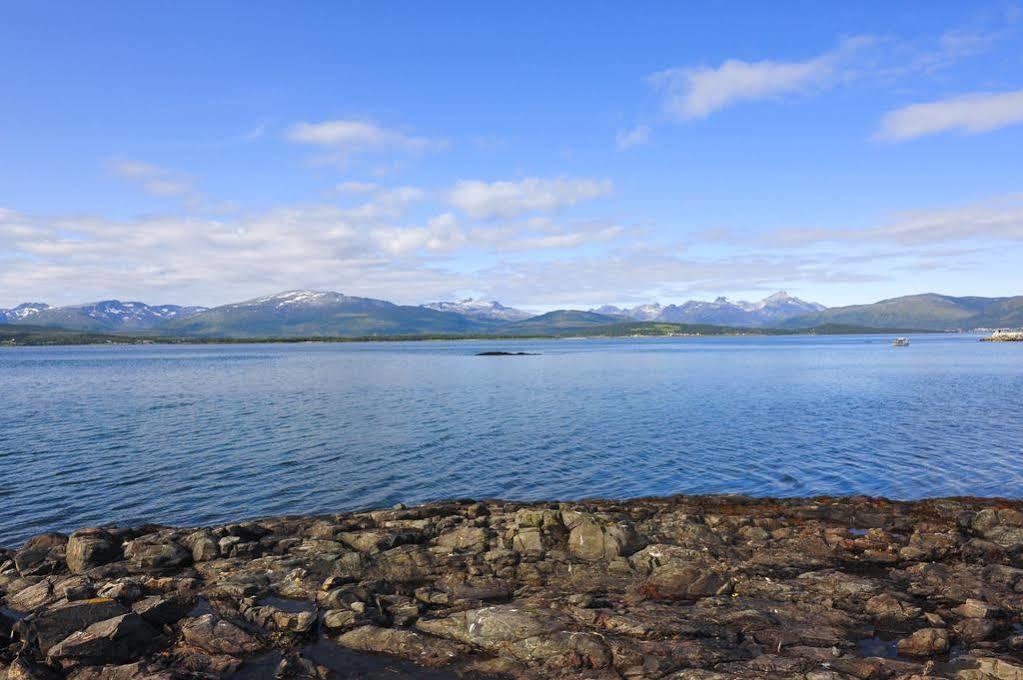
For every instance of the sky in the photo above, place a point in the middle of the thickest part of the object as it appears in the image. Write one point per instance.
(541, 154)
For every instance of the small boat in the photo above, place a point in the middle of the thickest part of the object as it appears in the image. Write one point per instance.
(901, 342)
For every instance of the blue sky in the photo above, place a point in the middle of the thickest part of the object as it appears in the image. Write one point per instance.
(545, 156)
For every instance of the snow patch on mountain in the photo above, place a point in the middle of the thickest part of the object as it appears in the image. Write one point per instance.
(721, 311)
(22, 312)
(478, 308)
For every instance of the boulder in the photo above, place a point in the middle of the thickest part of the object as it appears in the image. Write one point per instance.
(160, 611)
(115, 640)
(33, 597)
(887, 608)
(679, 581)
(467, 539)
(490, 626)
(218, 636)
(924, 642)
(154, 554)
(1003, 526)
(976, 609)
(592, 538)
(42, 554)
(970, 631)
(51, 625)
(89, 548)
(205, 549)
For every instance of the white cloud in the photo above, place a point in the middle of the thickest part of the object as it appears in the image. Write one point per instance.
(973, 113)
(487, 200)
(347, 137)
(697, 92)
(356, 187)
(995, 220)
(155, 180)
(626, 139)
(370, 248)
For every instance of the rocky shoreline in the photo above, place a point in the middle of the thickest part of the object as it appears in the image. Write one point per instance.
(1005, 336)
(691, 588)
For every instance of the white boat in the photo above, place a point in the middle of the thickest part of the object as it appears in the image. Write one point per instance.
(901, 342)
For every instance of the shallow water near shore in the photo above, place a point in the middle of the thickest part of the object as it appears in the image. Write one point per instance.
(202, 434)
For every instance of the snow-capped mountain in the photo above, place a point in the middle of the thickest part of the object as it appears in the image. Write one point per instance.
(488, 310)
(649, 312)
(722, 311)
(296, 299)
(22, 313)
(106, 315)
(315, 313)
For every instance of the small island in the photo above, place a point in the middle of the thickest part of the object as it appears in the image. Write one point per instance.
(506, 354)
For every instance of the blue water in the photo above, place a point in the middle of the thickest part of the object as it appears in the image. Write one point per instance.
(199, 434)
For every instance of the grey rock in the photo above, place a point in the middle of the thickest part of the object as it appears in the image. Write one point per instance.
(218, 636)
(49, 626)
(115, 640)
(89, 548)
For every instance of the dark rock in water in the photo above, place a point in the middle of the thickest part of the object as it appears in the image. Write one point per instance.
(506, 354)
(925, 642)
(686, 588)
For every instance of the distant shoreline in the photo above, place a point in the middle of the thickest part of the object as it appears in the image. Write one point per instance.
(29, 336)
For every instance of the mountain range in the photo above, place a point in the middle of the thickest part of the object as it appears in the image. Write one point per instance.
(770, 311)
(486, 310)
(304, 313)
(108, 315)
(928, 311)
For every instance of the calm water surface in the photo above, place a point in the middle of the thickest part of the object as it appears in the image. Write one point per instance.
(200, 434)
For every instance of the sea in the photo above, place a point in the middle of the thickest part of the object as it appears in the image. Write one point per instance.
(197, 434)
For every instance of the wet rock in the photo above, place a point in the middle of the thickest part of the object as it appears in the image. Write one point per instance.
(295, 667)
(115, 640)
(423, 649)
(925, 642)
(218, 636)
(89, 548)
